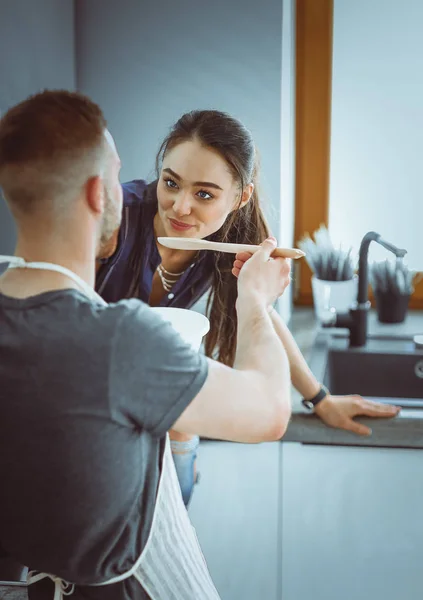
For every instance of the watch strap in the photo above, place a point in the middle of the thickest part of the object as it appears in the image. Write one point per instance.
(311, 403)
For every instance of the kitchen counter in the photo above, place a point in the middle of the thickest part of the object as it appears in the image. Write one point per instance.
(404, 431)
(284, 512)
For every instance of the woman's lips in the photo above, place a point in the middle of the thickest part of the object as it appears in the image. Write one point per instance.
(179, 226)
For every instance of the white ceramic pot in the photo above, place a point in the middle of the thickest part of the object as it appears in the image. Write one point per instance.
(192, 326)
(337, 294)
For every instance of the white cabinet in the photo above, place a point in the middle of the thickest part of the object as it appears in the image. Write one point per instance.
(352, 523)
(235, 512)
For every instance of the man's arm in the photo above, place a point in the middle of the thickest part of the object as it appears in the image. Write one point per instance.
(250, 403)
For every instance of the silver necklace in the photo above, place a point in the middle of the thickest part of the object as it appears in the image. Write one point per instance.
(168, 278)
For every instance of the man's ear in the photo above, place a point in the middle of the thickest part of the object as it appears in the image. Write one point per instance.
(94, 191)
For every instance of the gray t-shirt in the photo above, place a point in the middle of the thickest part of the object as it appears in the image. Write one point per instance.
(87, 394)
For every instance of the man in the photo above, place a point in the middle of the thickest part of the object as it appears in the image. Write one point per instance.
(88, 391)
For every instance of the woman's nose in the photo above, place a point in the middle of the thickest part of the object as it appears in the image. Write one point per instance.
(182, 205)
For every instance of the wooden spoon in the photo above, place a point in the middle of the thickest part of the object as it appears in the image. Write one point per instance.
(177, 243)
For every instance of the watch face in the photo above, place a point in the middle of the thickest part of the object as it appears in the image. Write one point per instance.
(308, 404)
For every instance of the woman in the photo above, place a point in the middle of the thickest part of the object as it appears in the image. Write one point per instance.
(206, 187)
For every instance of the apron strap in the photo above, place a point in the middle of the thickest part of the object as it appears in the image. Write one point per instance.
(13, 260)
(61, 587)
(16, 262)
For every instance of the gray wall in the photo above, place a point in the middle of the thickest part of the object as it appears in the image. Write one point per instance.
(147, 62)
(36, 52)
(287, 134)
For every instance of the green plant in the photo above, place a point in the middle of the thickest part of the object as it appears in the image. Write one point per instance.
(392, 277)
(325, 260)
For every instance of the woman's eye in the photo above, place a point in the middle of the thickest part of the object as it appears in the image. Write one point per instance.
(170, 183)
(205, 195)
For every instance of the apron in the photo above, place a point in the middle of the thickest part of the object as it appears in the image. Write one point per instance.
(171, 565)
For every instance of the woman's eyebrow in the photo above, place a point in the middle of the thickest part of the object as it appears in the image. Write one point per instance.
(196, 183)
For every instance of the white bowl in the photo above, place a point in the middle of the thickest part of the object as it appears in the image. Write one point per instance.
(192, 326)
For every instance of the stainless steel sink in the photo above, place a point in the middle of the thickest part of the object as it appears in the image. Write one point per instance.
(388, 369)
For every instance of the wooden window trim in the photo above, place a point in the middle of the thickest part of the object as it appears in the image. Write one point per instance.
(314, 45)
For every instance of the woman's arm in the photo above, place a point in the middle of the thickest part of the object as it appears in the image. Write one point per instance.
(335, 411)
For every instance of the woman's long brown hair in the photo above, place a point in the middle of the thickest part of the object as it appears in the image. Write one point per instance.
(246, 225)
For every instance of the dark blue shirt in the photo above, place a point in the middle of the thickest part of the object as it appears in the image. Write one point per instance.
(116, 275)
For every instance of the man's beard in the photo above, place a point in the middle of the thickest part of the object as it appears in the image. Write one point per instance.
(112, 217)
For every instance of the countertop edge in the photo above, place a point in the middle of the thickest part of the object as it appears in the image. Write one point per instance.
(403, 431)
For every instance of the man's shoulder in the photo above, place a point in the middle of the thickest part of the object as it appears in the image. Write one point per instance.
(125, 326)
(80, 313)
(131, 311)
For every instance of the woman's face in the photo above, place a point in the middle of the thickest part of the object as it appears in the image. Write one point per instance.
(196, 191)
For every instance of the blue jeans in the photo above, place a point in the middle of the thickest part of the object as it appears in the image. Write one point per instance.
(184, 456)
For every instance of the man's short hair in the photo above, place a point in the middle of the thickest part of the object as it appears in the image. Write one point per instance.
(50, 145)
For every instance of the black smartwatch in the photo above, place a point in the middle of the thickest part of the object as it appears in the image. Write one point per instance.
(313, 402)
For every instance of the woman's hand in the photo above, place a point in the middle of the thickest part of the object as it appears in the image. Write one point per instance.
(339, 412)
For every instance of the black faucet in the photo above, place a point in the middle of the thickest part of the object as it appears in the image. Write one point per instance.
(356, 319)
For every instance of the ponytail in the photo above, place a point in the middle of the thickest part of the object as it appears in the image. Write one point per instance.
(246, 225)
